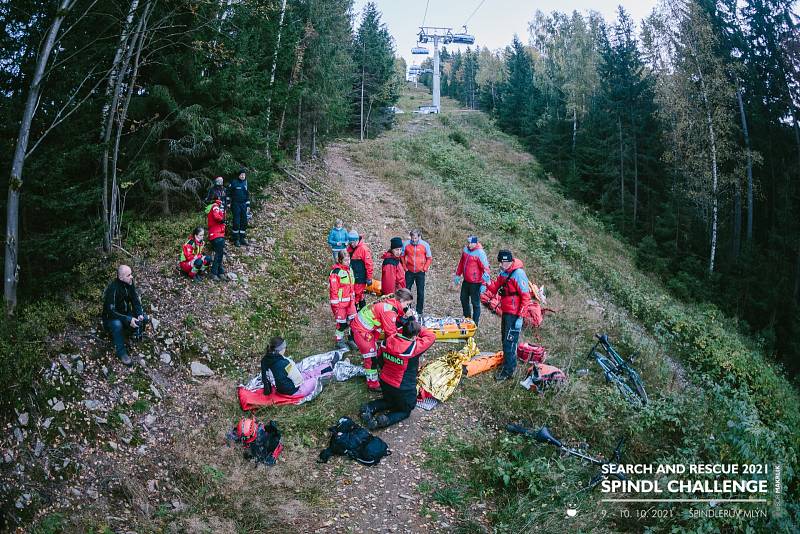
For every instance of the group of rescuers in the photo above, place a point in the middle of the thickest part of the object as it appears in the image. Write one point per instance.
(405, 265)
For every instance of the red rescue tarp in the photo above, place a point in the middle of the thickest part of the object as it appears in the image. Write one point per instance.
(250, 400)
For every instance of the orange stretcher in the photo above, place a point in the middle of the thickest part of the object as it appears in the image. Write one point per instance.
(450, 328)
(374, 287)
(485, 361)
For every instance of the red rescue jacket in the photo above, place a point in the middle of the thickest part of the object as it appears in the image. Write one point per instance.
(417, 258)
(361, 262)
(216, 220)
(401, 359)
(513, 288)
(473, 265)
(189, 252)
(380, 316)
(340, 284)
(393, 274)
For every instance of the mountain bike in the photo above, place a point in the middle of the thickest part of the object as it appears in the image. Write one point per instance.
(619, 371)
(543, 435)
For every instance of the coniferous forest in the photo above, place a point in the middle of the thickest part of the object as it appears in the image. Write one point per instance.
(647, 172)
(681, 130)
(126, 109)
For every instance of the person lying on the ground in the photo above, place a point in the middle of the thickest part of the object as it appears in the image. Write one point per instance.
(286, 377)
(123, 314)
(337, 239)
(193, 261)
(256, 393)
(342, 296)
(382, 316)
(393, 274)
(398, 377)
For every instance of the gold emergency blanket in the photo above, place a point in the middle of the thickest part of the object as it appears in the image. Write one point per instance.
(440, 377)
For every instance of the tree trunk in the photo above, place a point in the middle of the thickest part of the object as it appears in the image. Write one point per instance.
(11, 267)
(112, 88)
(797, 278)
(737, 221)
(110, 192)
(361, 129)
(749, 153)
(574, 130)
(714, 178)
(274, 67)
(366, 124)
(621, 171)
(635, 180)
(299, 129)
(121, 117)
(314, 140)
(280, 126)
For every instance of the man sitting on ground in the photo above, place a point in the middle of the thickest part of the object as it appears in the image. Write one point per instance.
(122, 312)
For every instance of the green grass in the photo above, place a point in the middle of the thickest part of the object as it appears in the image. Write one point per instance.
(733, 392)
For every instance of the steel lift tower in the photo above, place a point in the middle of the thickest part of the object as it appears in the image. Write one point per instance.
(444, 36)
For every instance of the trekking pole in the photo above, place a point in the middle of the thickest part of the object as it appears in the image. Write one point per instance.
(543, 435)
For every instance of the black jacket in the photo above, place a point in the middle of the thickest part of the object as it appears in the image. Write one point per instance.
(279, 366)
(216, 192)
(120, 301)
(238, 193)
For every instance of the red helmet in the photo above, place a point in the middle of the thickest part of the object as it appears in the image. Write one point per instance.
(246, 430)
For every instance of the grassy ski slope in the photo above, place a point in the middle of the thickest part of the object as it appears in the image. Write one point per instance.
(715, 398)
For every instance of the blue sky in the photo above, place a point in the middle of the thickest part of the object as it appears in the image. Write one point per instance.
(494, 24)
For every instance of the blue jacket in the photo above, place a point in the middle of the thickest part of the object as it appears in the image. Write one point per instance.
(337, 238)
(238, 193)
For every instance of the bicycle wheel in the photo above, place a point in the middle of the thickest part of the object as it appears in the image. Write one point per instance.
(638, 384)
(627, 392)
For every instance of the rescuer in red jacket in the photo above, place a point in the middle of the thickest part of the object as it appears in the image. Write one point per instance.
(393, 274)
(514, 289)
(216, 236)
(361, 263)
(474, 268)
(382, 316)
(417, 260)
(399, 376)
(342, 294)
(192, 259)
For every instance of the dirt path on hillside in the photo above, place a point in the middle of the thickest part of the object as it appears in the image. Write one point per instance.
(115, 426)
(389, 498)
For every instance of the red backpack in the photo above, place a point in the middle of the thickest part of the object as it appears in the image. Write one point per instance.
(530, 352)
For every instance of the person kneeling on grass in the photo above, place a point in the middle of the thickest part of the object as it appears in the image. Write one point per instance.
(193, 261)
(398, 376)
(288, 379)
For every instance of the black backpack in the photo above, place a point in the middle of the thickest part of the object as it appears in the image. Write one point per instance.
(352, 440)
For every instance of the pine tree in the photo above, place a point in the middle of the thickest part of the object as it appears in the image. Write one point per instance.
(377, 85)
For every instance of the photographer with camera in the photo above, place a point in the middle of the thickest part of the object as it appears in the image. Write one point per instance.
(122, 312)
(216, 236)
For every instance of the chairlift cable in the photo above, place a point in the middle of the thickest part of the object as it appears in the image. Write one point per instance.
(473, 13)
(426, 13)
